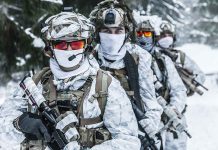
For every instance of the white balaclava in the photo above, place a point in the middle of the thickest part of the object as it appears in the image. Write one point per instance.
(111, 45)
(165, 42)
(69, 60)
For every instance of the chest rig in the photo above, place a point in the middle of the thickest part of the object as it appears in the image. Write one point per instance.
(63, 101)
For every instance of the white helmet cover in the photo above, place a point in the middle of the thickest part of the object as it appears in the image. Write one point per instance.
(68, 26)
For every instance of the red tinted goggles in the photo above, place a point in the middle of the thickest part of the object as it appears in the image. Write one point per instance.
(63, 45)
(145, 33)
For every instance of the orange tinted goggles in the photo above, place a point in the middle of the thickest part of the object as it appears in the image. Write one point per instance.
(144, 33)
(63, 45)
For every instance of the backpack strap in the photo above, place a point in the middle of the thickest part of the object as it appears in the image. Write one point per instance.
(38, 76)
(182, 58)
(103, 81)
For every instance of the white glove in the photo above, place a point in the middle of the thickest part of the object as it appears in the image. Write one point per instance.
(149, 127)
(72, 146)
(66, 123)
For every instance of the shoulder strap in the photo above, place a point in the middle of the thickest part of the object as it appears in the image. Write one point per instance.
(131, 67)
(182, 58)
(160, 60)
(136, 58)
(103, 81)
(38, 76)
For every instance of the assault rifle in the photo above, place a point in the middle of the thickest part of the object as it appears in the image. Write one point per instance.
(187, 78)
(190, 81)
(174, 121)
(58, 140)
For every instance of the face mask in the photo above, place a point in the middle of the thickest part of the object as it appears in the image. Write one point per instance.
(165, 42)
(146, 43)
(68, 59)
(111, 45)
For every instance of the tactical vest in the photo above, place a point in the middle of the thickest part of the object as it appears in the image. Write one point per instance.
(63, 101)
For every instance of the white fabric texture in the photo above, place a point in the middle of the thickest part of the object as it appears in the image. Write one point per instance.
(111, 45)
(72, 134)
(118, 118)
(177, 101)
(192, 67)
(69, 23)
(175, 84)
(169, 143)
(70, 118)
(13, 107)
(165, 42)
(60, 74)
(72, 146)
(147, 90)
(62, 57)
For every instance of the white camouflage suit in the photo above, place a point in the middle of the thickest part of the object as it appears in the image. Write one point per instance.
(177, 93)
(118, 117)
(192, 67)
(147, 90)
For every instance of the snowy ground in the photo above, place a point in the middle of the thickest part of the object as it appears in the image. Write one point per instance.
(202, 110)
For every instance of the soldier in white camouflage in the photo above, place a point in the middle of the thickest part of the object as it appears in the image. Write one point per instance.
(95, 111)
(168, 85)
(166, 42)
(127, 62)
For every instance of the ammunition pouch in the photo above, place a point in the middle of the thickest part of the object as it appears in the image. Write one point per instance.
(91, 137)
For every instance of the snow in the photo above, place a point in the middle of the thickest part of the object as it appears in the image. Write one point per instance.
(54, 1)
(37, 42)
(202, 110)
(202, 118)
(204, 56)
(2, 95)
(154, 20)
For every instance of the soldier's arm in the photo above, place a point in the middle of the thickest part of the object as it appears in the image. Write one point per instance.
(177, 88)
(147, 90)
(13, 107)
(193, 68)
(120, 120)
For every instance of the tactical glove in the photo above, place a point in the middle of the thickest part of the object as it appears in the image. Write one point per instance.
(32, 127)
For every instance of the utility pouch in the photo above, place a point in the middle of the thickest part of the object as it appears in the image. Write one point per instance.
(91, 137)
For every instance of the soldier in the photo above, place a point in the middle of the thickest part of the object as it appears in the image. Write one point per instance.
(95, 110)
(127, 62)
(168, 85)
(166, 42)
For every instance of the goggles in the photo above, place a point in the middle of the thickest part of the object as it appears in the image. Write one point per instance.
(63, 45)
(144, 33)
